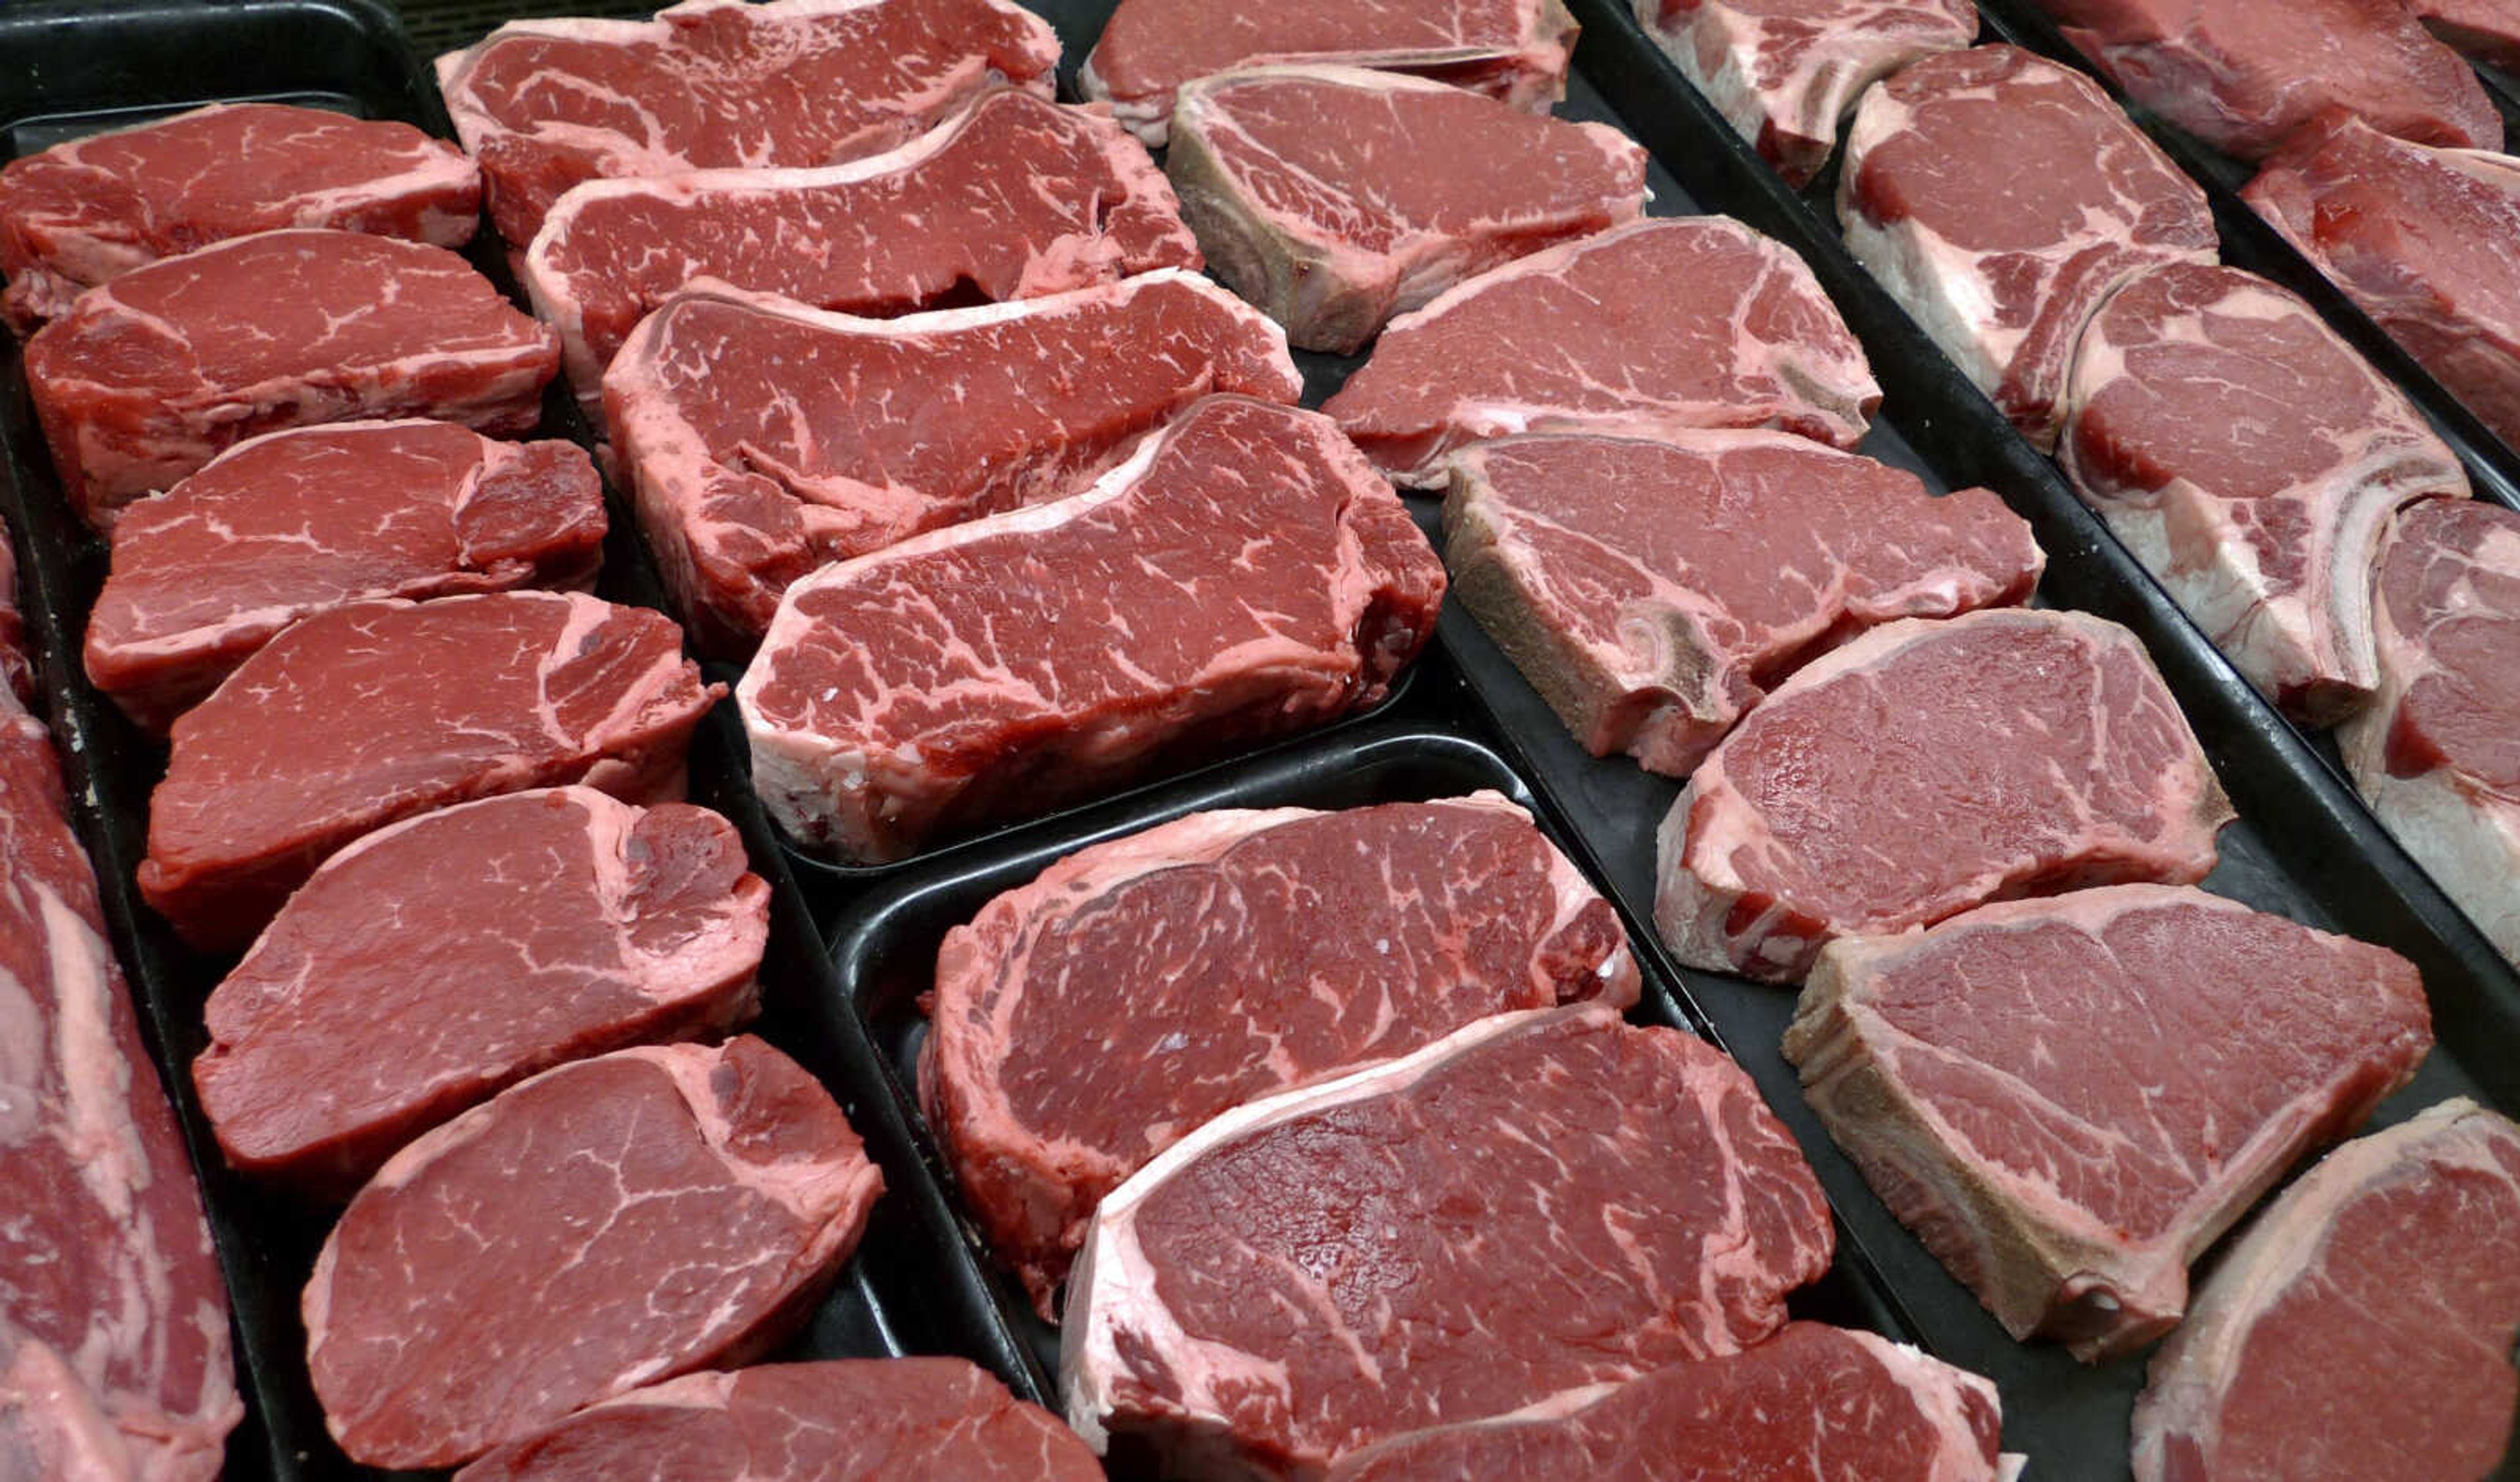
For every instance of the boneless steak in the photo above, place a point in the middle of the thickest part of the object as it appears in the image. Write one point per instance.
(1927, 768)
(1335, 196)
(764, 440)
(2071, 1191)
(1244, 574)
(1653, 591)
(1640, 330)
(2487, 31)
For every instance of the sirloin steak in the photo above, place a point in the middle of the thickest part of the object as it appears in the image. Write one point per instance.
(2487, 31)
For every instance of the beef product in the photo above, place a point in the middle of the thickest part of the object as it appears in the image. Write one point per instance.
(1244, 574)
(1088, 1021)
(2362, 1327)
(2070, 1192)
(1334, 197)
(764, 440)
(1927, 768)
(1653, 591)
(17, 660)
(1783, 72)
(151, 376)
(2250, 459)
(501, 937)
(723, 84)
(1016, 198)
(2487, 31)
(2242, 74)
(2438, 754)
(1651, 328)
(370, 713)
(2004, 267)
(682, 1206)
(294, 523)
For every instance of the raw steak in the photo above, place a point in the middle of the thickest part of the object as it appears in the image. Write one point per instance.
(113, 1316)
(2250, 459)
(1532, 1206)
(841, 1420)
(1650, 327)
(1513, 50)
(723, 84)
(1927, 768)
(503, 937)
(2421, 239)
(151, 376)
(2070, 1192)
(294, 523)
(1244, 574)
(2487, 31)
(2004, 267)
(1086, 1021)
(1334, 197)
(1014, 199)
(2362, 1327)
(2438, 753)
(1783, 72)
(370, 713)
(2242, 74)
(682, 1206)
(764, 440)
(89, 211)
(1653, 591)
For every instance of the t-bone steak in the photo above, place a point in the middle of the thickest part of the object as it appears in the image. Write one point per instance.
(1334, 196)
(2071, 1192)
(1652, 591)
(1645, 329)
(1927, 768)
(2003, 267)
(1533, 1206)
(2487, 31)
(1244, 574)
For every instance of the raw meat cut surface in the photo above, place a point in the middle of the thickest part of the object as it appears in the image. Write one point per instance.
(682, 1206)
(2004, 268)
(2487, 31)
(1014, 199)
(2250, 459)
(1334, 197)
(2071, 1192)
(2362, 1327)
(366, 714)
(1927, 768)
(1084, 1023)
(151, 376)
(1242, 575)
(500, 937)
(723, 84)
(1782, 73)
(1643, 329)
(294, 523)
(764, 440)
(1653, 591)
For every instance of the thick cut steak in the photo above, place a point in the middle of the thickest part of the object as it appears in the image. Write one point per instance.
(603, 1226)
(2362, 1327)
(1244, 574)
(1335, 196)
(294, 523)
(723, 84)
(370, 713)
(1643, 329)
(1651, 592)
(1927, 768)
(501, 937)
(2487, 31)
(764, 440)
(151, 376)
(2004, 267)
(2250, 459)
(89, 211)
(2070, 1192)
(1086, 1021)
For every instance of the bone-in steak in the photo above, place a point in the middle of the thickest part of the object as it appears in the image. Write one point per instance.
(2487, 31)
